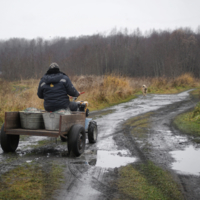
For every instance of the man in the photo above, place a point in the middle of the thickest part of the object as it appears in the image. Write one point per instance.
(54, 88)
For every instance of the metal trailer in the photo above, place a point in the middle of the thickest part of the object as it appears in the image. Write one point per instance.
(72, 129)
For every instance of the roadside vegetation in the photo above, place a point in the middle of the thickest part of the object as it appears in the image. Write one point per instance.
(100, 91)
(31, 181)
(147, 181)
(189, 123)
(144, 181)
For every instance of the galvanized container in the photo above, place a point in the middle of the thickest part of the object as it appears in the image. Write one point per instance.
(51, 121)
(30, 120)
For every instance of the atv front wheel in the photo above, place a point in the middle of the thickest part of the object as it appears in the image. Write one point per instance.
(92, 132)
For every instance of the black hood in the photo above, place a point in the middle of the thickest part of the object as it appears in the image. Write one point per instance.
(53, 71)
(52, 78)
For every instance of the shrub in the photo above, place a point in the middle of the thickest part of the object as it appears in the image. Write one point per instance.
(184, 80)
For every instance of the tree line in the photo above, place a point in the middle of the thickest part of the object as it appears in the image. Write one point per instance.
(158, 53)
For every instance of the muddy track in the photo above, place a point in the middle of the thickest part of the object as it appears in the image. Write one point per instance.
(163, 138)
(132, 132)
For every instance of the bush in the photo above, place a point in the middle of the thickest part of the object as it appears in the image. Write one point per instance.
(184, 80)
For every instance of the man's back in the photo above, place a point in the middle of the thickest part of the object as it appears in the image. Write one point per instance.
(54, 88)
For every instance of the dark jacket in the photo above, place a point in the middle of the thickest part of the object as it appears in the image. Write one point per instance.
(54, 89)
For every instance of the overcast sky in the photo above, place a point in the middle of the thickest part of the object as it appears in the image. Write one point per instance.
(67, 18)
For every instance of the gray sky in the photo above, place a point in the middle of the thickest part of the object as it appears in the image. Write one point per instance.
(66, 18)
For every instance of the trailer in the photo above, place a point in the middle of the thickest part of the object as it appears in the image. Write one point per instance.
(72, 129)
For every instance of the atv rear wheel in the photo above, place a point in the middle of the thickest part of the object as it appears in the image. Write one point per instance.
(92, 132)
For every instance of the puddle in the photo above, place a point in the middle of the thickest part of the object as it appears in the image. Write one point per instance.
(112, 159)
(181, 139)
(32, 140)
(187, 161)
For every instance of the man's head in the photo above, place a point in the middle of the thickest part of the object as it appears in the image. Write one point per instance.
(53, 68)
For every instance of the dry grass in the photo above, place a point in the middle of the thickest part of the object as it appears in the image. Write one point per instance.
(167, 85)
(184, 80)
(17, 96)
(100, 91)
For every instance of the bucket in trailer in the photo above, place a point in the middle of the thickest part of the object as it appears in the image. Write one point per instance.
(51, 121)
(30, 120)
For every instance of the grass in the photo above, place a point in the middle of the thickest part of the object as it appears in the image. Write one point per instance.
(184, 123)
(139, 125)
(45, 142)
(189, 122)
(41, 143)
(147, 181)
(144, 181)
(163, 85)
(31, 181)
(100, 91)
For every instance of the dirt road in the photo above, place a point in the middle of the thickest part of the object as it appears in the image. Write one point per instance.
(121, 141)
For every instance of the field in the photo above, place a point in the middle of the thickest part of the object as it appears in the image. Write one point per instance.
(142, 181)
(100, 91)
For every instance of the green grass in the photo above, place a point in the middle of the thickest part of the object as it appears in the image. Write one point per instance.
(31, 181)
(147, 181)
(41, 143)
(167, 90)
(189, 122)
(196, 93)
(106, 104)
(48, 141)
(187, 125)
(139, 125)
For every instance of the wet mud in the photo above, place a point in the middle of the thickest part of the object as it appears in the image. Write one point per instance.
(131, 132)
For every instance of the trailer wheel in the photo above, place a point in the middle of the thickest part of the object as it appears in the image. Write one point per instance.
(76, 139)
(92, 132)
(9, 143)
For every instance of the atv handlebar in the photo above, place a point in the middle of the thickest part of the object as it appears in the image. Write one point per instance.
(81, 93)
(74, 98)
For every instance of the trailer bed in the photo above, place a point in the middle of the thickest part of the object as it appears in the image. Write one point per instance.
(13, 125)
(38, 132)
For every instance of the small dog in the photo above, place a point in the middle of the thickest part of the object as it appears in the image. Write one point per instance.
(144, 90)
